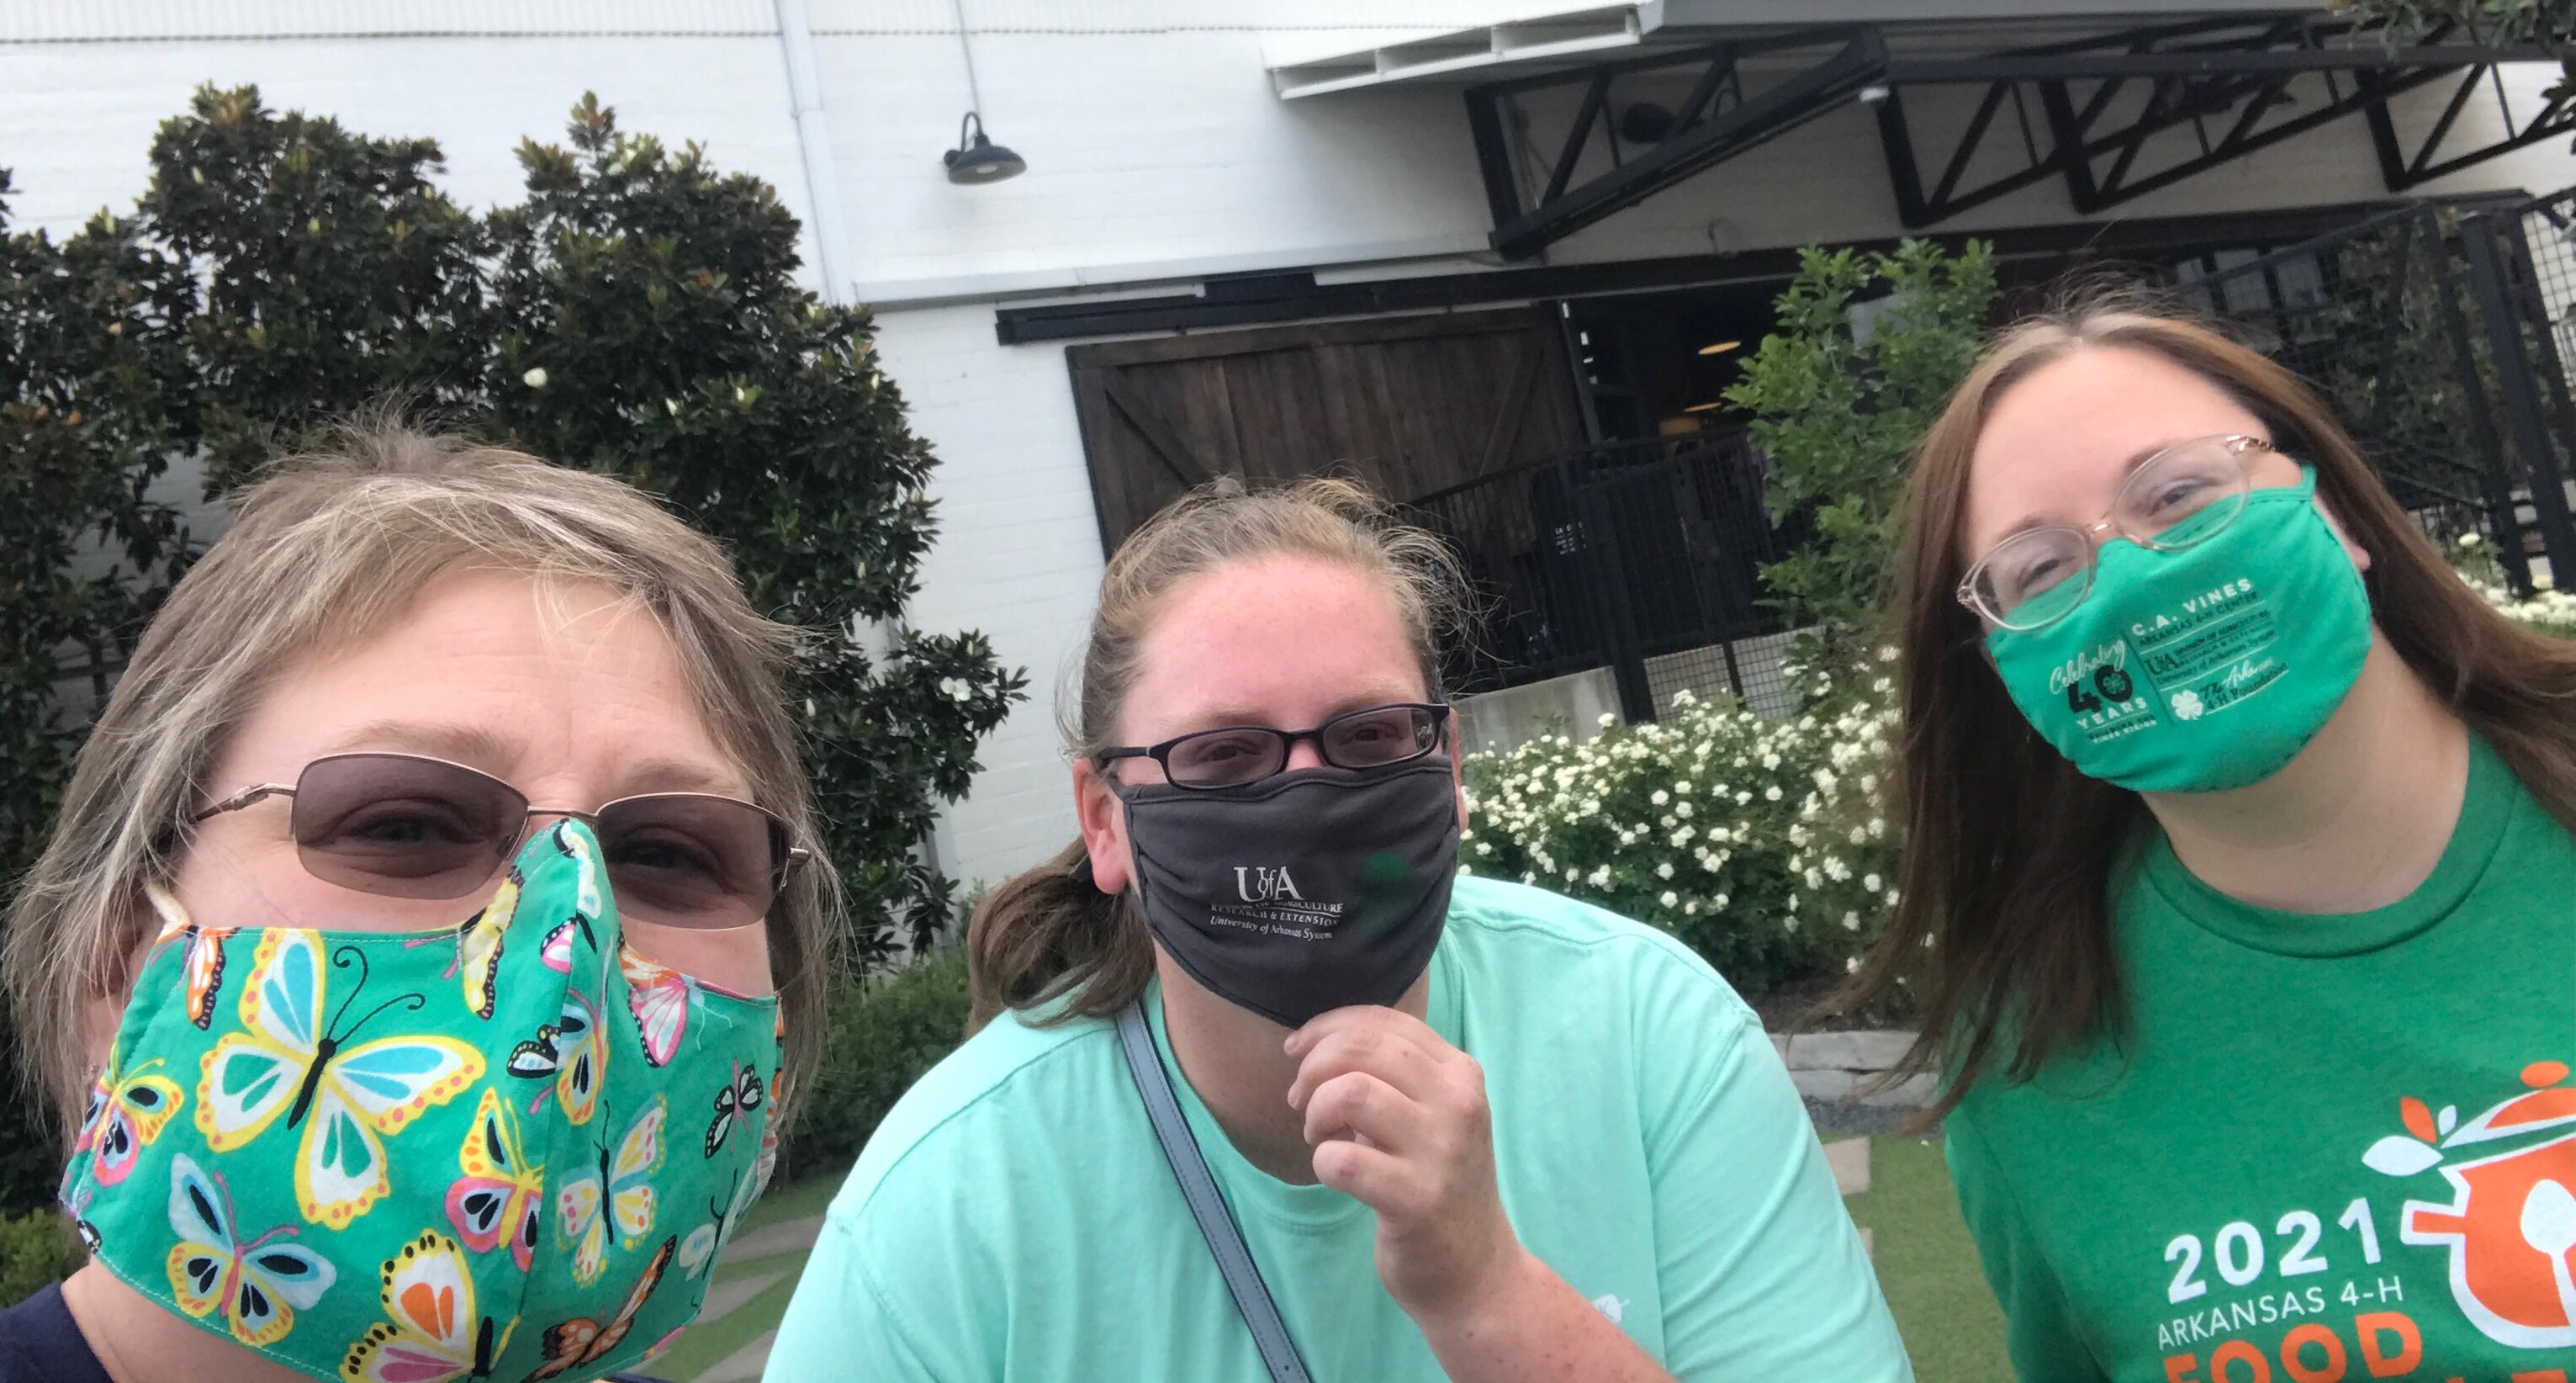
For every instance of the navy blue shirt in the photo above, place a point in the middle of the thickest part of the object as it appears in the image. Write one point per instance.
(40, 1344)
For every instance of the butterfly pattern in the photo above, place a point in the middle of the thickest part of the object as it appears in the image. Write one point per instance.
(356, 1083)
(127, 1110)
(707, 1241)
(501, 1191)
(619, 1192)
(259, 1285)
(572, 1053)
(201, 969)
(661, 999)
(478, 944)
(432, 1332)
(736, 1099)
(583, 1340)
(289, 1060)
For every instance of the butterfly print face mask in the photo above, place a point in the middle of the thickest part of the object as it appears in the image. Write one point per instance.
(507, 1149)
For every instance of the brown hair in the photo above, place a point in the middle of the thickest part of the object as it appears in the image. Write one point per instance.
(1050, 935)
(322, 551)
(2003, 928)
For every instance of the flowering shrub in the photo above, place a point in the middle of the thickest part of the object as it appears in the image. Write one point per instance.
(2549, 611)
(1758, 842)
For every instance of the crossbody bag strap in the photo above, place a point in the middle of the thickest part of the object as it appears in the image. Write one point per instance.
(1198, 1187)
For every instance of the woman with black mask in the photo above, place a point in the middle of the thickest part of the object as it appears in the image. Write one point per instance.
(1263, 1088)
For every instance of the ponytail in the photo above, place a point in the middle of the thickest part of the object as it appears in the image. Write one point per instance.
(1050, 933)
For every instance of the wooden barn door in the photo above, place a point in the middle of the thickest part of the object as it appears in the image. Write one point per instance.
(1408, 405)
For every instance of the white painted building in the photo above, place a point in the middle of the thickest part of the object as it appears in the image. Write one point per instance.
(1217, 153)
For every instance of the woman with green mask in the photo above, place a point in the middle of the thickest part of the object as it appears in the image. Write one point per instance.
(2239, 894)
(426, 941)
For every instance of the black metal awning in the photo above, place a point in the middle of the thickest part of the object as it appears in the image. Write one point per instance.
(2117, 111)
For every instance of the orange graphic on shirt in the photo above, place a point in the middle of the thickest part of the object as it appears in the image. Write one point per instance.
(2510, 1225)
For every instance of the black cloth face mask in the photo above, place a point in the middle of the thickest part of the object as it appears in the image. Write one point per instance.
(1303, 892)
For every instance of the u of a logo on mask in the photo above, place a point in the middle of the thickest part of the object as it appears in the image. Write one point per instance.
(1261, 883)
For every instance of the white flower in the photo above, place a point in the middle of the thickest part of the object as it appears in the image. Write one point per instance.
(2468, 541)
(1664, 870)
(1851, 965)
(1877, 827)
(1851, 921)
(1770, 761)
(1891, 897)
(1869, 883)
(1869, 782)
(1608, 720)
(958, 688)
(1771, 793)
(1743, 797)
(1670, 899)
(1465, 868)
(1717, 902)
(535, 378)
(1486, 847)
(1600, 877)
(1887, 653)
(1660, 797)
(1682, 837)
(1683, 787)
(1881, 686)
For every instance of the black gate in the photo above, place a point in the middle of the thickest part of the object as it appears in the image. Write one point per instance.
(1643, 557)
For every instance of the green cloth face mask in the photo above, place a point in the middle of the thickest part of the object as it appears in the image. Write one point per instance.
(317, 1144)
(2202, 669)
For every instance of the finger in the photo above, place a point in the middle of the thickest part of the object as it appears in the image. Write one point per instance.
(1374, 1177)
(1324, 1025)
(1361, 1104)
(1383, 1052)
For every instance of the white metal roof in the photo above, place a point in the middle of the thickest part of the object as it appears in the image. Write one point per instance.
(1578, 35)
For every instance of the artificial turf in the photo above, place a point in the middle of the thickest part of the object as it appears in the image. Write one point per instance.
(1927, 1265)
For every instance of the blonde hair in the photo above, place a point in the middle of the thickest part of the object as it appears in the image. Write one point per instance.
(1049, 934)
(323, 550)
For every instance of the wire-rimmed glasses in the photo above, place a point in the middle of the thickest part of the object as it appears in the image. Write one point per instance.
(2176, 499)
(411, 826)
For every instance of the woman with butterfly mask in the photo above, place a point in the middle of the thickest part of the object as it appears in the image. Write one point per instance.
(404, 954)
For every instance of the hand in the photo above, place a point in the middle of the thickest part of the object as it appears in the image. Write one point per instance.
(1398, 1121)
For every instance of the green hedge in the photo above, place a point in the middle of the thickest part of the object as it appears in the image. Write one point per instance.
(35, 1248)
(885, 1032)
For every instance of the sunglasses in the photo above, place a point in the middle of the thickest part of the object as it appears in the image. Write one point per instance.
(409, 826)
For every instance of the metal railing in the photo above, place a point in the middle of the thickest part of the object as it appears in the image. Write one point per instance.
(1643, 557)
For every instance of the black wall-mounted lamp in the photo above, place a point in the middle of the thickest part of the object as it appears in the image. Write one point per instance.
(976, 159)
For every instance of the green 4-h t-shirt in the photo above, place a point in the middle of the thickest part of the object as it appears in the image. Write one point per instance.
(2333, 1147)
(1014, 1218)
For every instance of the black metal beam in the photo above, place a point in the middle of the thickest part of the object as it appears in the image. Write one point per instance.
(1755, 120)
(1294, 296)
(2067, 67)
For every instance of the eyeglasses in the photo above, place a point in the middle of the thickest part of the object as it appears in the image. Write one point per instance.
(1377, 737)
(409, 826)
(2179, 498)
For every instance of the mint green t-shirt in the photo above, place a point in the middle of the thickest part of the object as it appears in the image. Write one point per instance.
(2332, 1147)
(1014, 1219)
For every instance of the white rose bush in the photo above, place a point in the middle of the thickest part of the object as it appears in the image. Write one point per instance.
(1762, 843)
(2548, 610)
